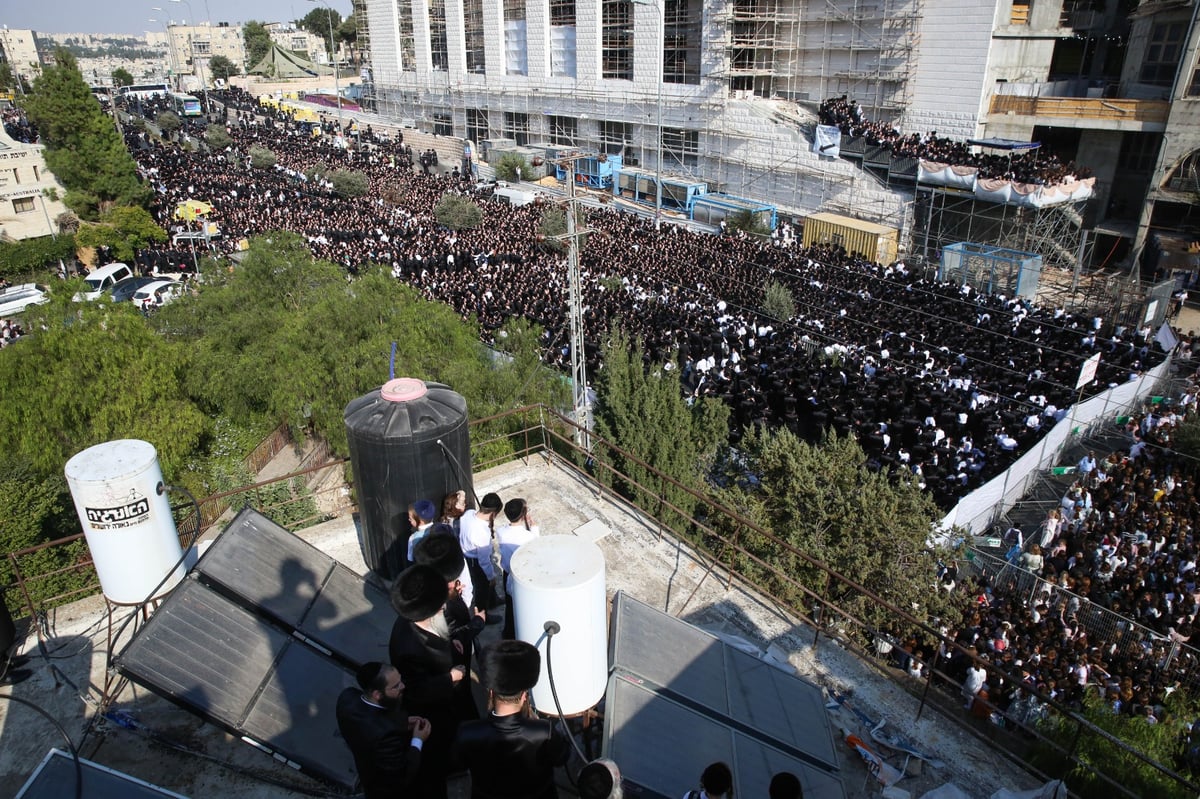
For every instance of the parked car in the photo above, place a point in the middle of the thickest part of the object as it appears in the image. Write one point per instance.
(15, 299)
(156, 293)
(103, 278)
(125, 289)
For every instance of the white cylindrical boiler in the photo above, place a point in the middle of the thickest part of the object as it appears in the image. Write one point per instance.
(118, 491)
(560, 578)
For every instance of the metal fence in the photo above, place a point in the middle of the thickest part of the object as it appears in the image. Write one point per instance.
(1104, 627)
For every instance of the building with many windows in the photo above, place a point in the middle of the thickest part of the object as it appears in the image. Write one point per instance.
(20, 50)
(29, 193)
(191, 47)
(726, 92)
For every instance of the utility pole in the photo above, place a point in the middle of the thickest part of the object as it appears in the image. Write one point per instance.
(579, 384)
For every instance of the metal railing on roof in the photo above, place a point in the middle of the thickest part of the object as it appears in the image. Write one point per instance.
(538, 431)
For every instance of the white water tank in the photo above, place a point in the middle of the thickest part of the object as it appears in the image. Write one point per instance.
(118, 491)
(560, 578)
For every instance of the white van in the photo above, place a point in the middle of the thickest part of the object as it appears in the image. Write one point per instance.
(102, 279)
(15, 299)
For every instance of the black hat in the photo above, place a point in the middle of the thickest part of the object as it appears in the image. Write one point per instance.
(514, 509)
(419, 592)
(491, 503)
(510, 667)
(441, 552)
(367, 674)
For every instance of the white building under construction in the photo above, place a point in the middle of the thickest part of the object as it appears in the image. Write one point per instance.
(725, 92)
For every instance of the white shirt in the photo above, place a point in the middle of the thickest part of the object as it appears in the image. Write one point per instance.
(512, 537)
(475, 536)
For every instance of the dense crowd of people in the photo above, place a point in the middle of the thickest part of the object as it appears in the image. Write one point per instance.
(1036, 166)
(17, 126)
(931, 378)
(1123, 539)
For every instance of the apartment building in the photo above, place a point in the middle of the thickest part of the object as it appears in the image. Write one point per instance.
(191, 47)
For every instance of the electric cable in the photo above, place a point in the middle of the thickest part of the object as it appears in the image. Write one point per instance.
(61, 731)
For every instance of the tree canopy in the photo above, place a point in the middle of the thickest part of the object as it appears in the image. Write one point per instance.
(220, 67)
(823, 501)
(640, 409)
(258, 42)
(93, 372)
(122, 77)
(83, 149)
(319, 22)
(124, 230)
(287, 337)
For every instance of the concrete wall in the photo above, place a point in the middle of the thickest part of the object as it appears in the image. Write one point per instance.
(1100, 150)
(952, 67)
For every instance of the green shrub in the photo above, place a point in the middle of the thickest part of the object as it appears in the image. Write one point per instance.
(349, 184)
(508, 164)
(168, 122)
(217, 137)
(31, 255)
(262, 158)
(778, 302)
(457, 212)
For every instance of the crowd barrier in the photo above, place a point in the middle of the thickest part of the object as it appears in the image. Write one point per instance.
(979, 510)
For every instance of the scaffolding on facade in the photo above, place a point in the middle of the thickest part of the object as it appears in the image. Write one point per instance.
(943, 217)
(865, 49)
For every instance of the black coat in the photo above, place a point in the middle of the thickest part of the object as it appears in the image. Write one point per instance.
(511, 757)
(424, 661)
(379, 739)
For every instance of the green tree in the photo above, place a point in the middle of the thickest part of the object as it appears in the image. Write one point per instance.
(778, 301)
(222, 68)
(122, 77)
(641, 409)
(217, 137)
(83, 149)
(262, 158)
(825, 502)
(285, 337)
(34, 510)
(348, 32)
(749, 222)
(168, 122)
(508, 164)
(347, 183)
(1159, 742)
(457, 212)
(125, 230)
(258, 42)
(93, 372)
(319, 22)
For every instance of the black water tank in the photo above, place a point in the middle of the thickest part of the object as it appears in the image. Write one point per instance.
(394, 433)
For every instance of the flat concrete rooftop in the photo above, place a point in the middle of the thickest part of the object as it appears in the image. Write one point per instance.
(178, 751)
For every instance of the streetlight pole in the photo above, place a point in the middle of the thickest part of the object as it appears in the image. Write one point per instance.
(171, 67)
(660, 65)
(337, 87)
(192, 47)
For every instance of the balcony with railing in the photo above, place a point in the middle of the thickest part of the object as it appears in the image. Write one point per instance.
(1085, 112)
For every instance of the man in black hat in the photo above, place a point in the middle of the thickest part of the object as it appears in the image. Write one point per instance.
(511, 755)
(385, 741)
(422, 650)
(440, 551)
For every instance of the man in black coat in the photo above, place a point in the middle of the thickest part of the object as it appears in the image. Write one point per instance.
(385, 741)
(511, 755)
(422, 650)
